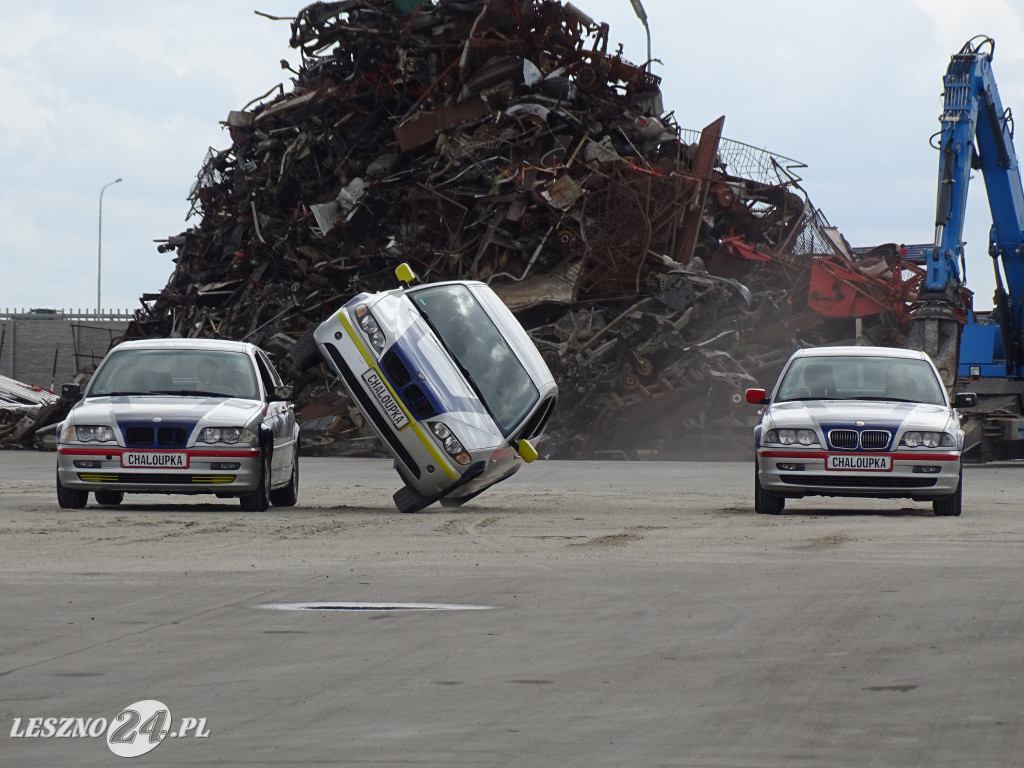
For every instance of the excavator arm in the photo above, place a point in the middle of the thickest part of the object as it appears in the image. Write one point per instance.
(976, 134)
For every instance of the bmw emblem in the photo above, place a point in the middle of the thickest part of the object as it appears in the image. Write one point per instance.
(861, 423)
(157, 418)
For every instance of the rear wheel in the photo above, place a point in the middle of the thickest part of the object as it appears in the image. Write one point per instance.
(70, 498)
(766, 502)
(112, 498)
(949, 506)
(259, 500)
(289, 495)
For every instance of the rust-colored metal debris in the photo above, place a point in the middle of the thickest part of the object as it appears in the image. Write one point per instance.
(661, 271)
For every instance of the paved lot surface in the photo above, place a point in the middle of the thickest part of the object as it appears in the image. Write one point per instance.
(636, 614)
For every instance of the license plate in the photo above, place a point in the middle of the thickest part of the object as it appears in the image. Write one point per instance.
(387, 402)
(859, 462)
(153, 460)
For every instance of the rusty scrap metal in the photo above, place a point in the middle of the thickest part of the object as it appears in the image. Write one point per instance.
(659, 270)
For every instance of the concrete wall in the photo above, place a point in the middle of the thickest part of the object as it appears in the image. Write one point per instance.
(32, 341)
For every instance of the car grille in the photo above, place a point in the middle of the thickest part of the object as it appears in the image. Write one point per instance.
(857, 481)
(874, 439)
(850, 439)
(149, 437)
(412, 395)
(418, 402)
(395, 369)
(844, 439)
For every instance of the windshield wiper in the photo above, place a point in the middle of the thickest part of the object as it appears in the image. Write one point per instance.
(802, 399)
(455, 358)
(458, 363)
(882, 399)
(191, 393)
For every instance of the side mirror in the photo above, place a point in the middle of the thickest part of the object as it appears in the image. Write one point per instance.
(283, 392)
(965, 400)
(757, 397)
(526, 451)
(405, 274)
(71, 392)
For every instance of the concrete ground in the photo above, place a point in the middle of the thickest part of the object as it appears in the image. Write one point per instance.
(599, 614)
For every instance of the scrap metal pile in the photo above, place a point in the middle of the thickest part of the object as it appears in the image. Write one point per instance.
(23, 409)
(659, 270)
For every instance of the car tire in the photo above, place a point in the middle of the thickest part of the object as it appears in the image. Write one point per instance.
(289, 495)
(109, 498)
(304, 353)
(766, 502)
(70, 498)
(410, 500)
(950, 506)
(259, 500)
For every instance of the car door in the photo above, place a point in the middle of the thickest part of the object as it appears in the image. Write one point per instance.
(280, 419)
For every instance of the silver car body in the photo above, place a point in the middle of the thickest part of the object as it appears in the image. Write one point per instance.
(425, 368)
(867, 441)
(158, 419)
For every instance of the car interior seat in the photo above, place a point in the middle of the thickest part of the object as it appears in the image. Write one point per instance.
(820, 380)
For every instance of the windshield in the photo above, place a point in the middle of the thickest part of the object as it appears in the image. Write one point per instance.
(480, 349)
(175, 372)
(861, 378)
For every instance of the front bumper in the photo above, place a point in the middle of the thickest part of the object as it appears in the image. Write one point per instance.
(223, 471)
(916, 475)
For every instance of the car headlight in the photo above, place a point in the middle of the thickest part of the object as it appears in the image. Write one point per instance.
(370, 327)
(89, 433)
(228, 435)
(791, 436)
(928, 440)
(451, 443)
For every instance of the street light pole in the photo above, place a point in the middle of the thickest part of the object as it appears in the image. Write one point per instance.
(638, 8)
(99, 248)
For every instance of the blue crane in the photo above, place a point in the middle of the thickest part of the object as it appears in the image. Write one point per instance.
(977, 351)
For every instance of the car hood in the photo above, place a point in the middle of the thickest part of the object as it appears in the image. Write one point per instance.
(431, 367)
(191, 411)
(830, 414)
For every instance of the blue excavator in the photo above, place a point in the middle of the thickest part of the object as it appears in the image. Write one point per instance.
(980, 352)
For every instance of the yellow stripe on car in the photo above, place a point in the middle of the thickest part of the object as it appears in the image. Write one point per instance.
(371, 362)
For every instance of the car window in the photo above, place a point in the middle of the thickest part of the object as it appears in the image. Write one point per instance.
(861, 378)
(267, 373)
(468, 332)
(175, 371)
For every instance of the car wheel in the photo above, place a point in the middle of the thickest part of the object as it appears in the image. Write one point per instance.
(111, 498)
(766, 502)
(949, 506)
(259, 500)
(287, 496)
(69, 498)
(304, 353)
(408, 499)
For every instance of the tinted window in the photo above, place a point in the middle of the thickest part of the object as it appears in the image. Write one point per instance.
(472, 338)
(853, 378)
(146, 371)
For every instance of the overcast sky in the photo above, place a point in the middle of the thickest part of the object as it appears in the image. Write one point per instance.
(96, 91)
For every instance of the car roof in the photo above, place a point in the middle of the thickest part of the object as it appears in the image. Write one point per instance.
(893, 352)
(210, 345)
